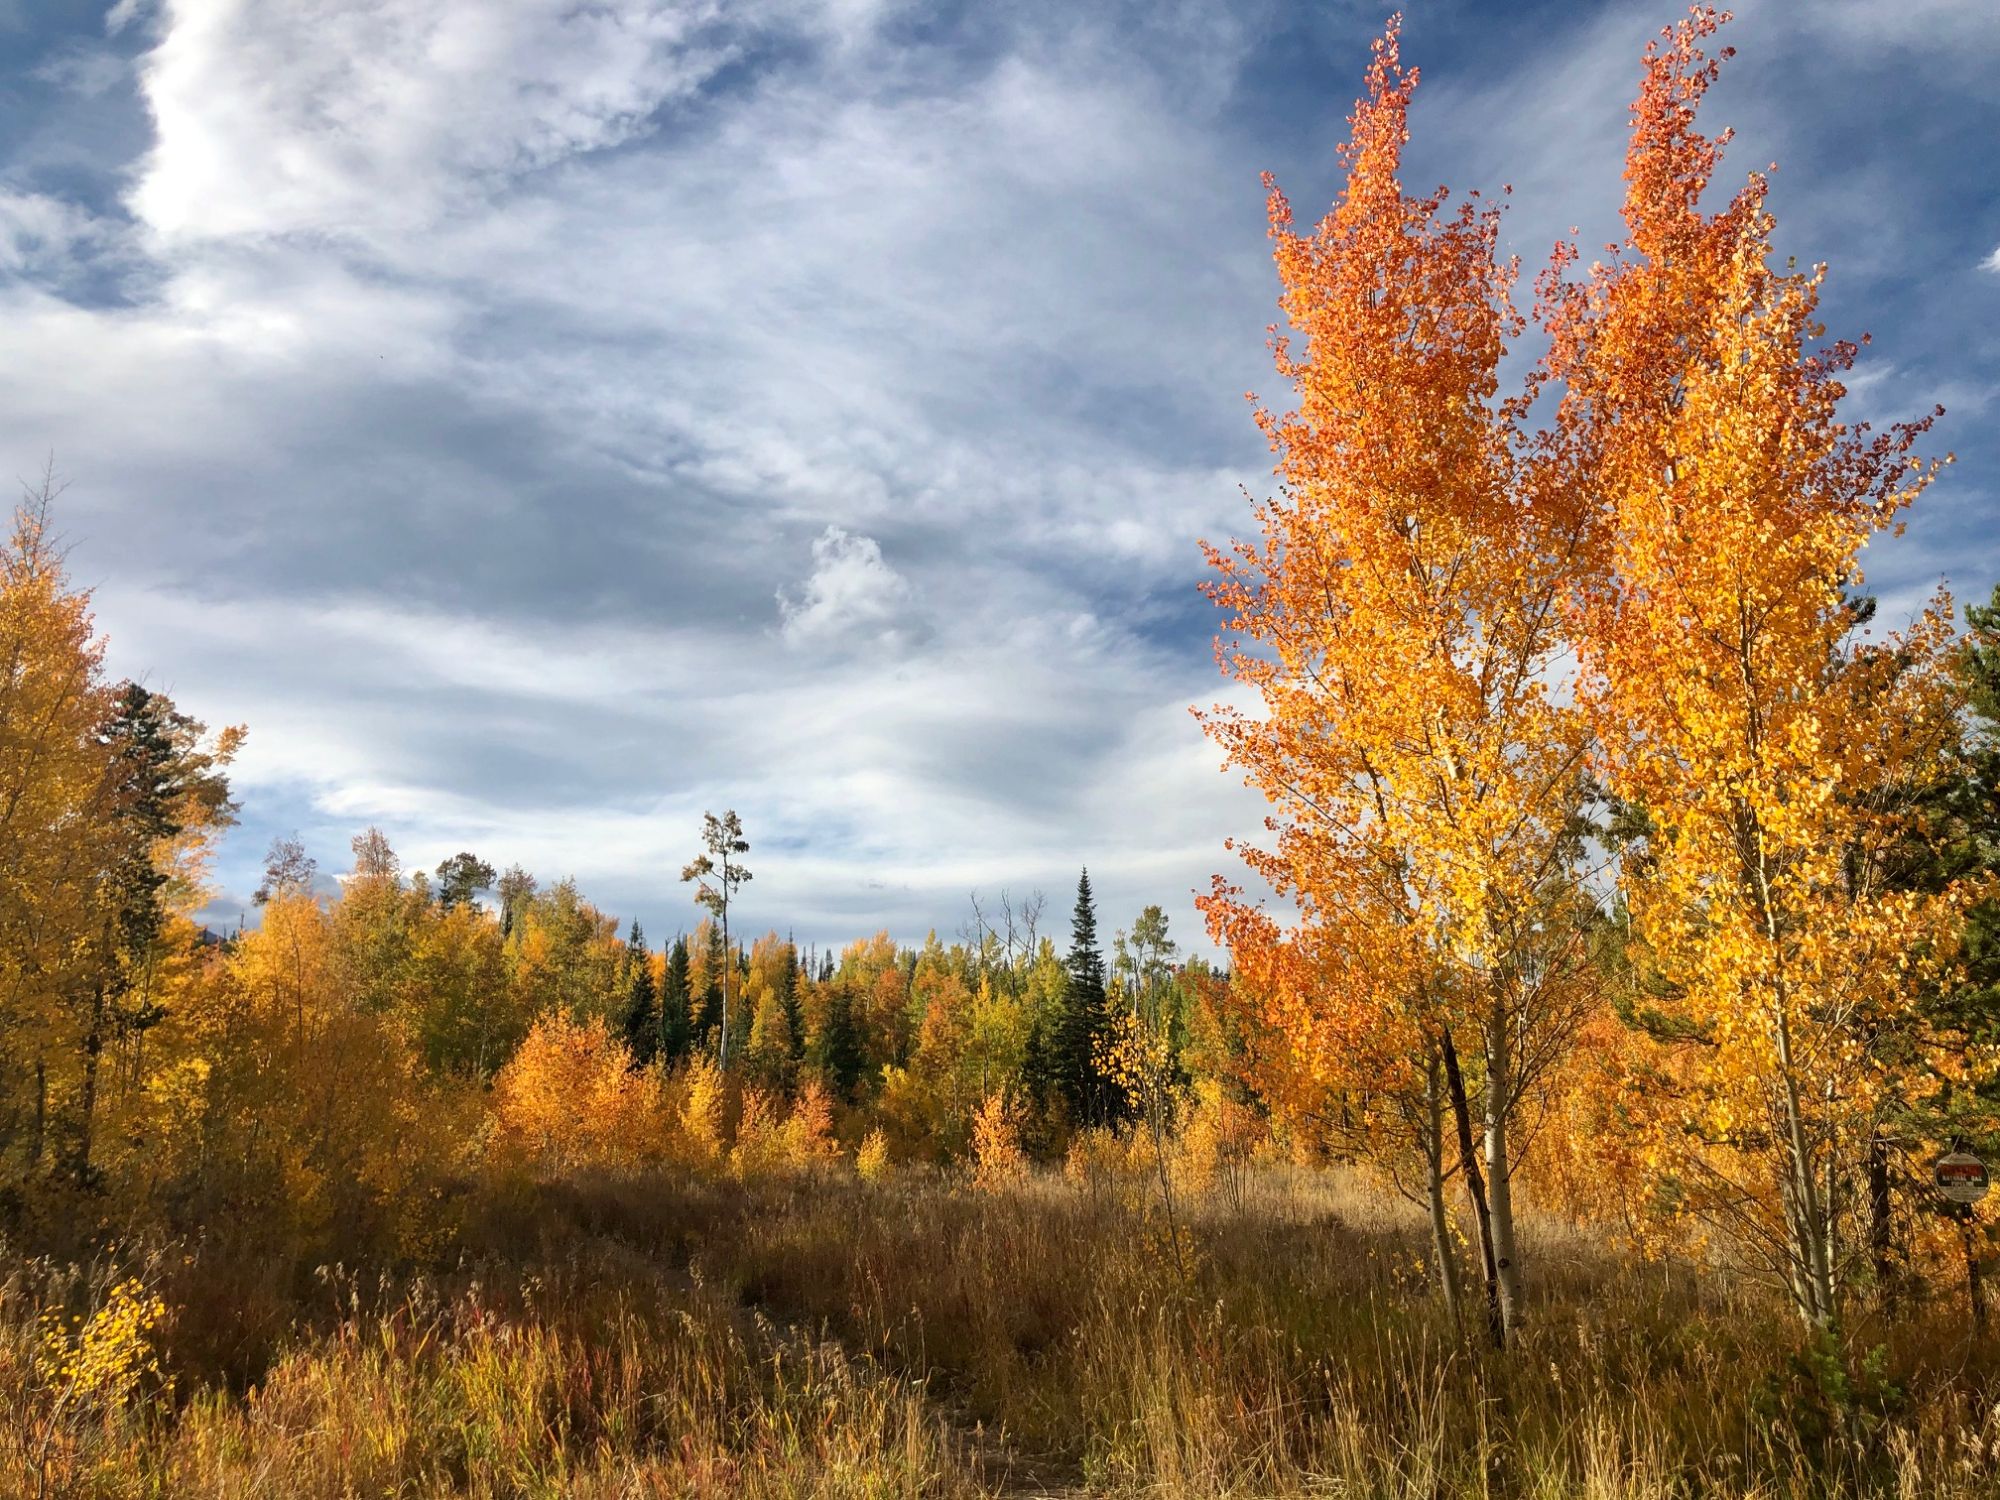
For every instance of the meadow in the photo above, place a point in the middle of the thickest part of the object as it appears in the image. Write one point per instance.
(816, 1334)
(1583, 1096)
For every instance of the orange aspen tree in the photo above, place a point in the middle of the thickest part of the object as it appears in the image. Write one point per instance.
(1765, 752)
(1400, 621)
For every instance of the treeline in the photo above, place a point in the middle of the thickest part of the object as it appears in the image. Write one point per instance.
(338, 1070)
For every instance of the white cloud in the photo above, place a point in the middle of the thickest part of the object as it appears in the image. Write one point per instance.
(352, 117)
(123, 14)
(1992, 262)
(88, 71)
(851, 595)
(475, 371)
(42, 234)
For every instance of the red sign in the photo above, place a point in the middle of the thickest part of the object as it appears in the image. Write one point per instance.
(1961, 1177)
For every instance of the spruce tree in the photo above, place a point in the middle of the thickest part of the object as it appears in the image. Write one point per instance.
(676, 1017)
(839, 1050)
(1084, 1019)
(708, 1016)
(795, 1011)
(642, 1017)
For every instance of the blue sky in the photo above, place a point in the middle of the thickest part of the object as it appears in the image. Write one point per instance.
(539, 422)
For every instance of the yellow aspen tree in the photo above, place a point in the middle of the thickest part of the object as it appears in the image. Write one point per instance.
(761, 1139)
(1342, 1048)
(570, 1098)
(871, 1161)
(1398, 622)
(704, 1114)
(1765, 753)
(997, 1159)
(56, 832)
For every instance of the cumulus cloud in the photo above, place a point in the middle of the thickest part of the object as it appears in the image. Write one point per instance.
(851, 595)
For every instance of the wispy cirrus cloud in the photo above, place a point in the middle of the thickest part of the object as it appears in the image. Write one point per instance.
(543, 422)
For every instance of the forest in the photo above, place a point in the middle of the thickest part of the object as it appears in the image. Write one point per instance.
(1617, 966)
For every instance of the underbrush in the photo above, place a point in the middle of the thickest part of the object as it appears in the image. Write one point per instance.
(669, 1335)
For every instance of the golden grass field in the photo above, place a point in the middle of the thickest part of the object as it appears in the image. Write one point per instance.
(661, 1335)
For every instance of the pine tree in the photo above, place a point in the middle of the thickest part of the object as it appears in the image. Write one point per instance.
(676, 1018)
(795, 1013)
(461, 878)
(163, 785)
(1084, 1019)
(642, 1017)
(839, 1050)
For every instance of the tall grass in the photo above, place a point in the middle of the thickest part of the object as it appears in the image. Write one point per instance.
(824, 1336)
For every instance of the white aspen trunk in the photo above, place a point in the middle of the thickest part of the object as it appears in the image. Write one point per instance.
(1811, 1248)
(1499, 1166)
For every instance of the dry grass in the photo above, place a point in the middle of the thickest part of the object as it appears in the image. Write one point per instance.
(672, 1336)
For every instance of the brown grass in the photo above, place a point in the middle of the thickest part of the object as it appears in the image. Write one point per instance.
(669, 1336)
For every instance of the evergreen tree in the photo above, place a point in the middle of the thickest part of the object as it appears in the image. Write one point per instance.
(676, 1017)
(641, 1020)
(1084, 1020)
(461, 878)
(839, 1049)
(162, 783)
(516, 889)
(795, 1012)
(708, 1014)
(1039, 1087)
(1978, 800)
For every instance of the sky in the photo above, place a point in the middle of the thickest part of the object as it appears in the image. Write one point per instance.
(540, 423)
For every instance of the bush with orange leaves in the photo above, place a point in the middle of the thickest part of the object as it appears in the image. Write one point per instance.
(810, 1145)
(571, 1099)
(760, 1136)
(770, 1141)
(997, 1159)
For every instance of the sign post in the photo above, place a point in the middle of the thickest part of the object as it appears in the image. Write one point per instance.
(1961, 1178)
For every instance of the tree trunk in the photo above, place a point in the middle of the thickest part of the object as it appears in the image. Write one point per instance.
(1500, 1167)
(93, 1049)
(1811, 1249)
(41, 1135)
(1881, 1234)
(1441, 1239)
(1475, 1187)
(1975, 1292)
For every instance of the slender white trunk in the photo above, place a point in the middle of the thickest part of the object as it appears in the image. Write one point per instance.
(1499, 1165)
(1811, 1247)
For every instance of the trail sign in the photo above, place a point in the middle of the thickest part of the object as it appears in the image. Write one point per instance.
(1961, 1177)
